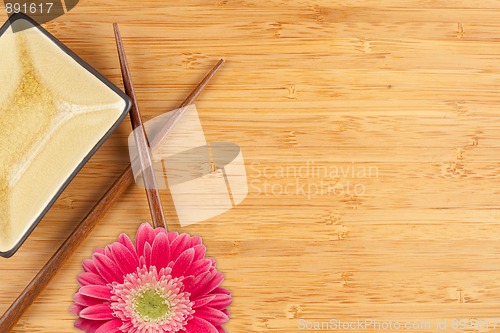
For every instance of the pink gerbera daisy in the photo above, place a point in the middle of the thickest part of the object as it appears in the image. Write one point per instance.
(162, 284)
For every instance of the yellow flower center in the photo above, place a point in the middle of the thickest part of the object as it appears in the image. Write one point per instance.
(151, 305)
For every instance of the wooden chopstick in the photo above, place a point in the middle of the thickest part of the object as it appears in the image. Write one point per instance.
(172, 121)
(82, 231)
(141, 140)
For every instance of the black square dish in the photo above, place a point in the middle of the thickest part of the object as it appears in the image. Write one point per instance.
(55, 112)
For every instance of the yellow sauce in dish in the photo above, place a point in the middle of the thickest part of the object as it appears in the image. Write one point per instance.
(53, 112)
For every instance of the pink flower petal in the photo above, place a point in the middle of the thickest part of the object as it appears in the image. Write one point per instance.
(125, 241)
(182, 263)
(171, 236)
(89, 326)
(145, 234)
(128, 261)
(202, 301)
(220, 329)
(87, 278)
(197, 284)
(86, 300)
(142, 261)
(81, 323)
(160, 255)
(147, 254)
(89, 266)
(200, 251)
(112, 326)
(196, 240)
(214, 316)
(99, 250)
(93, 326)
(107, 251)
(178, 245)
(189, 283)
(198, 325)
(220, 301)
(199, 267)
(220, 290)
(160, 231)
(96, 291)
(85, 324)
(214, 283)
(127, 326)
(107, 268)
(76, 308)
(97, 312)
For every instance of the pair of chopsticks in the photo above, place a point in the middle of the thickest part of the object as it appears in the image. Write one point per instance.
(82, 231)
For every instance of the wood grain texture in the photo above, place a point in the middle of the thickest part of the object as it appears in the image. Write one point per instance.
(405, 93)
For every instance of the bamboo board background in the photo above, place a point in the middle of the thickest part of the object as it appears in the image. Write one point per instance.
(407, 90)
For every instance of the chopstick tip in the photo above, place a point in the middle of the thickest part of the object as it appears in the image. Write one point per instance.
(116, 30)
